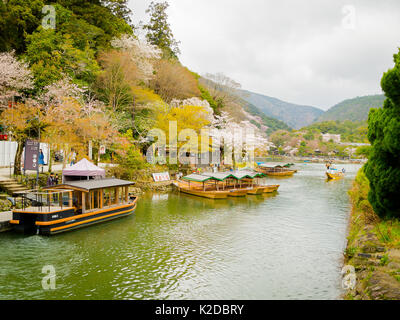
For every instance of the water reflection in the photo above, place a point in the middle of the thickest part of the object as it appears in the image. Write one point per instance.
(286, 245)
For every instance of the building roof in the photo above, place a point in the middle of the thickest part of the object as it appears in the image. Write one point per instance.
(84, 168)
(89, 185)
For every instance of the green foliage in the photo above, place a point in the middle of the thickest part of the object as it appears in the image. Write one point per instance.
(87, 22)
(295, 116)
(353, 109)
(349, 130)
(359, 193)
(272, 123)
(159, 31)
(18, 19)
(52, 55)
(383, 167)
(364, 151)
(217, 104)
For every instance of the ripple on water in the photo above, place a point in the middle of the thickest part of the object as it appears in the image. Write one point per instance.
(284, 246)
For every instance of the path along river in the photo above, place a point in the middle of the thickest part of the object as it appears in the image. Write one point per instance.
(286, 246)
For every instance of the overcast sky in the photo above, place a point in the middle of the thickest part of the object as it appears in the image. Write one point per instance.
(311, 52)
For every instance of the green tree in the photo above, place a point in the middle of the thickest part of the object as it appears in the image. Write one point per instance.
(383, 167)
(52, 55)
(18, 19)
(159, 32)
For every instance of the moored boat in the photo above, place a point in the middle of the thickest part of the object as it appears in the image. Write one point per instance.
(195, 190)
(271, 189)
(276, 170)
(73, 205)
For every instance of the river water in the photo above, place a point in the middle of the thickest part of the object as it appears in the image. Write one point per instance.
(286, 246)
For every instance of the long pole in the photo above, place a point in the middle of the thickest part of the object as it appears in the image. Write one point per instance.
(37, 171)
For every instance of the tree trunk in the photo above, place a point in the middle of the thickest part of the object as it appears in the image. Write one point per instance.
(97, 154)
(51, 158)
(18, 156)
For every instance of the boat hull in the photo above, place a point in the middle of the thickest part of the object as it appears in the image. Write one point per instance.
(237, 193)
(200, 193)
(334, 176)
(271, 189)
(281, 174)
(66, 220)
(256, 191)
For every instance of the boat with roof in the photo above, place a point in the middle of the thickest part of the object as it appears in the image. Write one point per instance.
(222, 185)
(273, 170)
(84, 198)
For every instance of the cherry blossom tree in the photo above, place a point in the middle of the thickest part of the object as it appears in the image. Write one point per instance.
(15, 76)
(141, 52)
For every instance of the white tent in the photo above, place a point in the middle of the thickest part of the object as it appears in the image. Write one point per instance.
(83, 170)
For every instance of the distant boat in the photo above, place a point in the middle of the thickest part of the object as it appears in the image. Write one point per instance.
(276, 170)
(334, 174)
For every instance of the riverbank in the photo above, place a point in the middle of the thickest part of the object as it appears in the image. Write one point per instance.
(373, 249)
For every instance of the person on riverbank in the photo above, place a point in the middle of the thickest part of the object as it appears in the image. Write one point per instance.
(50, 180)
(73, 158)
(55, 180)
(41, 158)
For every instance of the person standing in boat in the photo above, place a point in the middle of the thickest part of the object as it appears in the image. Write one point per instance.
(328, 166)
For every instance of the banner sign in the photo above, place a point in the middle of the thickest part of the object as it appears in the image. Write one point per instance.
(31, 161)
(102, 150)
(159, 177)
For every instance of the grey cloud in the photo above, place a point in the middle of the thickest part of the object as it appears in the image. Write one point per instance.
(294, 50)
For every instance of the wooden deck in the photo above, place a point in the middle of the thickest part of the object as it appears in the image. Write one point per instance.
(44, 209)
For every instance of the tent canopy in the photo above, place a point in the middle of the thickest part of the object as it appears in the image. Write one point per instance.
(84, 168)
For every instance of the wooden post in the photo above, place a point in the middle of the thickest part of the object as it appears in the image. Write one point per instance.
(126, 194)
(117, 195)
(83, 202)
(70, 194)
(60, 200)
(101, 198)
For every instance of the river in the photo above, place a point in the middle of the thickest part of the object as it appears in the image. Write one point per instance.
(285, 246)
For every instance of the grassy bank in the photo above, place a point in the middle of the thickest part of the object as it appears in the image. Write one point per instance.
(373, 248)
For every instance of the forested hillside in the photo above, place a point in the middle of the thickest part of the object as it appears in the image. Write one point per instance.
(77, 74)
(295, 116)
(356, 109)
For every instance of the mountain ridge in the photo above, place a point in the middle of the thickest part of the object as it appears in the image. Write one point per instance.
(354, 109)
(298, 116)
(294, 115)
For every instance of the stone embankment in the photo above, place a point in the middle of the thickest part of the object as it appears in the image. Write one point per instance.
(376, 261)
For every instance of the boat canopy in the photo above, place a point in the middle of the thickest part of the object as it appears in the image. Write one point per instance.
(240, 175)
(221, 176)
(198, 178)
(89, 185)
(270, 165)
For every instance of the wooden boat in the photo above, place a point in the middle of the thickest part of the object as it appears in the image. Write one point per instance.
(271, 189)
(238, 193)
(276, 171)
(334, 175)
(73, 205)
(194, 190)
(281, 173)
(256, 190)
